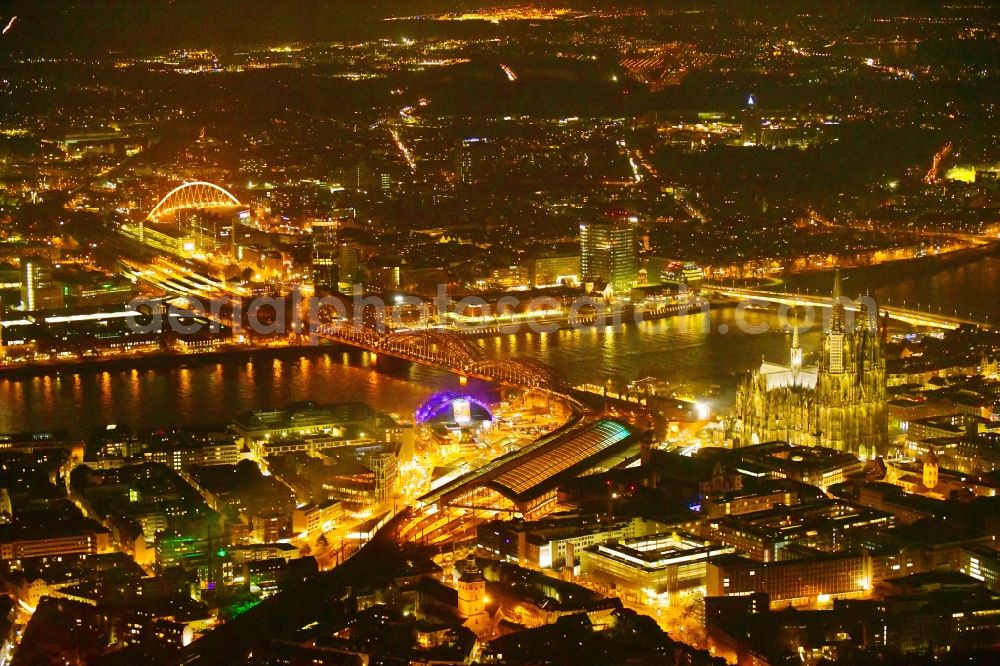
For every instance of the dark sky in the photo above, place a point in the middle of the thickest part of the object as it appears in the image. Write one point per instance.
(88, 25)
(142, 25)
(53, 27)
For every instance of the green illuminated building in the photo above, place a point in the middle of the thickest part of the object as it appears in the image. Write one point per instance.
(608, 253)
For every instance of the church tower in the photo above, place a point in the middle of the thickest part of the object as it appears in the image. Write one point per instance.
(834, 355)
(471, 588)
(6, 510)
(931, 471)
(987, 367)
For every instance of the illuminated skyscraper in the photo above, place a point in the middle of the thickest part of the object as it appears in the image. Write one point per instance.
(37, 289)
(325, 251)
(349, 262)
(608, 252)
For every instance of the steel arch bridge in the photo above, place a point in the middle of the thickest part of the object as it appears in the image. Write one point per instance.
(196, 194)
(448, 350)
(436, 345)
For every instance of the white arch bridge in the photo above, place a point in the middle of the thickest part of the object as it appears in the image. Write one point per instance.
(445, 350)
(196, 194)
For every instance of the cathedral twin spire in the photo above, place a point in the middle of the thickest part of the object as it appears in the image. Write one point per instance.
(840, 404)
(834, 351)
(838, 320)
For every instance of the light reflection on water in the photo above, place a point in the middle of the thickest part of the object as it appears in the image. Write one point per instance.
(167, 395)
(205, 392)
(679, 349)
(686, 349)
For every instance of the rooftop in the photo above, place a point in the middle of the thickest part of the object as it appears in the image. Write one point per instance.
(580, 448)
(661, 550)
(801, 459)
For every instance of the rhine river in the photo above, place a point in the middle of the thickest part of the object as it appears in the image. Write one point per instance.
(689, 350)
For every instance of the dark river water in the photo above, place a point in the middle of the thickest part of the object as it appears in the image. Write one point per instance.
(701, 350)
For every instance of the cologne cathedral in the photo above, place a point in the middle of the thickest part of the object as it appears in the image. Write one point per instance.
(839, 403)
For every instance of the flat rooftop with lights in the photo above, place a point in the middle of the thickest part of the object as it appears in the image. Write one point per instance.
(657, 563)
(815, 465)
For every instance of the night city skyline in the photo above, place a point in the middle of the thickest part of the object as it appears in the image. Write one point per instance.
(502, 333)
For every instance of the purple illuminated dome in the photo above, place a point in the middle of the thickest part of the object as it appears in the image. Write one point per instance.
(454, 407)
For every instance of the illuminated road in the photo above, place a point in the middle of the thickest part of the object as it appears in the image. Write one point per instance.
(403, 150)
(640, 159)
(932, 173)
(863, 225)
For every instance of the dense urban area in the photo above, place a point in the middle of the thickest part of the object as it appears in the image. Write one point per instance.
(432, 332)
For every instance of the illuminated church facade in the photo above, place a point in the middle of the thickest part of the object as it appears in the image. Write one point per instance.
(838, 403)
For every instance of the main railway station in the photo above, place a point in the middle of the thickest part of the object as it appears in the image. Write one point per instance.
(525, 482)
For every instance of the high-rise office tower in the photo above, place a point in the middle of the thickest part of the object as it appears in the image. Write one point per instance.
(349, 262)
(325, 251)
(608, 252)
(38, 292)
